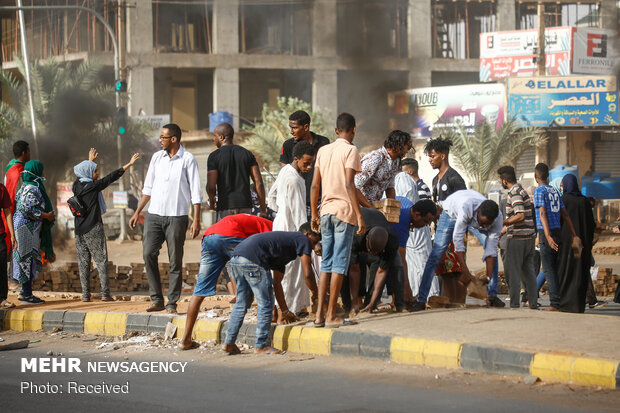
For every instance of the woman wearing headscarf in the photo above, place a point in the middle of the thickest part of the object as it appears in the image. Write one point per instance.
(33, 222)
(574, 268)
(90, 240)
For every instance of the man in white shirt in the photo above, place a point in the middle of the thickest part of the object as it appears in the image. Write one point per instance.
(171, 184)
(462, 210)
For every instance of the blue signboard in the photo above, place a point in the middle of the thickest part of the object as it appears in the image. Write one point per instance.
(564, 101)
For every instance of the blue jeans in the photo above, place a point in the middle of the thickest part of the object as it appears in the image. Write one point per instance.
(27, 288)
(252, 281)
(482, 237)
(216, 252)
(540, 280)
(549, 258)
(443, 237)
(336, 240)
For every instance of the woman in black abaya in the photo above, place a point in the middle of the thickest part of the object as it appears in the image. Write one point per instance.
(574, 272)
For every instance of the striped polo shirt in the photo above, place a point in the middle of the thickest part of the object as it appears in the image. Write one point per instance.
(519, 201)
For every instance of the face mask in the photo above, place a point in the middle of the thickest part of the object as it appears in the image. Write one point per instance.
(39, 179)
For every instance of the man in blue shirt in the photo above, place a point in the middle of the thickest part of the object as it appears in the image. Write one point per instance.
(414, 223)
(253, 261)
(549, 212)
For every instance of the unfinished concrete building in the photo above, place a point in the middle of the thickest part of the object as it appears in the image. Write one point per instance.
(188, 58)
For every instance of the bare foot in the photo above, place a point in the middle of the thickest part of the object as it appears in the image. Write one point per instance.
(336, 321)
(231, 349)
(267, 350)
(188, 346)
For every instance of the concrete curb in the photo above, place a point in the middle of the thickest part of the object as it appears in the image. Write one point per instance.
(557, 368)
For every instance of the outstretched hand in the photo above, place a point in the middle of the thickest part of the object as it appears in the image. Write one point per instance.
(92, 154)
(134, 158)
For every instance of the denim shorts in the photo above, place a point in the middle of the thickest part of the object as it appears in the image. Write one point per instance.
(336, 240)
(216, 252)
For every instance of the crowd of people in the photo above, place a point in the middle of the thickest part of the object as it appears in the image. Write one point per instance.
(317, 236)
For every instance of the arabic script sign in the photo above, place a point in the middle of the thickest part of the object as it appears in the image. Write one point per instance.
(564, 101)
(419, 111)
(509, 54)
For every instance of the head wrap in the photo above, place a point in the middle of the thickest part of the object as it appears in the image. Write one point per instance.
(84, 171)
(556, 185)
(570, 185)
(33, 175)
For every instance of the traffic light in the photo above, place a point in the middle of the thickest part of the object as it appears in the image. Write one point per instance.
(120, 120)
(121, 86)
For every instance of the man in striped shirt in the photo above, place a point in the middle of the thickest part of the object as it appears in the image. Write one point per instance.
(521, 233)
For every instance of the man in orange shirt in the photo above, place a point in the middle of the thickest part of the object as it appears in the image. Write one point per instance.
(334, 172)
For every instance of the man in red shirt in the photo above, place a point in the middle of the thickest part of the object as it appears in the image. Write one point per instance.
(5, 205)
(21, 151)
(218, 242)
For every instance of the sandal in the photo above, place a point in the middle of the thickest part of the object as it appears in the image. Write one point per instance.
(6, 304)
(32, 300)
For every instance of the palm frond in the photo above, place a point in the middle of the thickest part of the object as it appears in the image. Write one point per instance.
(482, 152)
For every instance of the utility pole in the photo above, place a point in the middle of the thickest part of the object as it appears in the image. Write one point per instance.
(541, 59)
(33, 121)
(122, 54)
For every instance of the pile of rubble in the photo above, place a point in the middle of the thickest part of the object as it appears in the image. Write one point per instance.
(66, 277)
(606, 283)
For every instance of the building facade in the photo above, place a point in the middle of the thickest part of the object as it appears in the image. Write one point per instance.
(190, 58)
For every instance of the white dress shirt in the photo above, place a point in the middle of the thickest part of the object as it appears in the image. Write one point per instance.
(462, 206)
(405, 186)
(172, 183)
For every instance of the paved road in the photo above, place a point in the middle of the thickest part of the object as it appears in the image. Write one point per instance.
(248, 383)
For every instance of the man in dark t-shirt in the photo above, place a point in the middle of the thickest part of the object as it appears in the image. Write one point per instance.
(228, 175)
(253, 261)
(299, 122)
(380, 242)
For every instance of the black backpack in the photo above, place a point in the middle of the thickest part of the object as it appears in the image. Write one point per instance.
(76, 206)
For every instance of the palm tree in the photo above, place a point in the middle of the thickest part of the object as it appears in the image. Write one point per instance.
(73, 111)
(269, 134)
(482, 152)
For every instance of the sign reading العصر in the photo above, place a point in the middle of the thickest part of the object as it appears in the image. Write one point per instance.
(564, 101)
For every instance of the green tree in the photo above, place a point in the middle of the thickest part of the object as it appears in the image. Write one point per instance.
(268, 135)
(74, 111)
(482, 152)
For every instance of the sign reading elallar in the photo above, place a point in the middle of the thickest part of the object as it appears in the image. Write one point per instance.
(563, 101)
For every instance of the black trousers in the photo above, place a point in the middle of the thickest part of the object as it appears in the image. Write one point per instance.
(4, 281)
(172, 230)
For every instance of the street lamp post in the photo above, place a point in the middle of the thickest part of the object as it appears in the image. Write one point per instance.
(20, 8)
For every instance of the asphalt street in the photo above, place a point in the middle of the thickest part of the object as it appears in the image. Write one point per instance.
(213, 382)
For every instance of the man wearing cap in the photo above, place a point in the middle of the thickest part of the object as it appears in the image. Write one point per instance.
(380, 242)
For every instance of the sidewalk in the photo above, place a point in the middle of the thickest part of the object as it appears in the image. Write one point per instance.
(555, 347)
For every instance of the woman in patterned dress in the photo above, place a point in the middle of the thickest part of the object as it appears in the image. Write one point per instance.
(33, 219)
